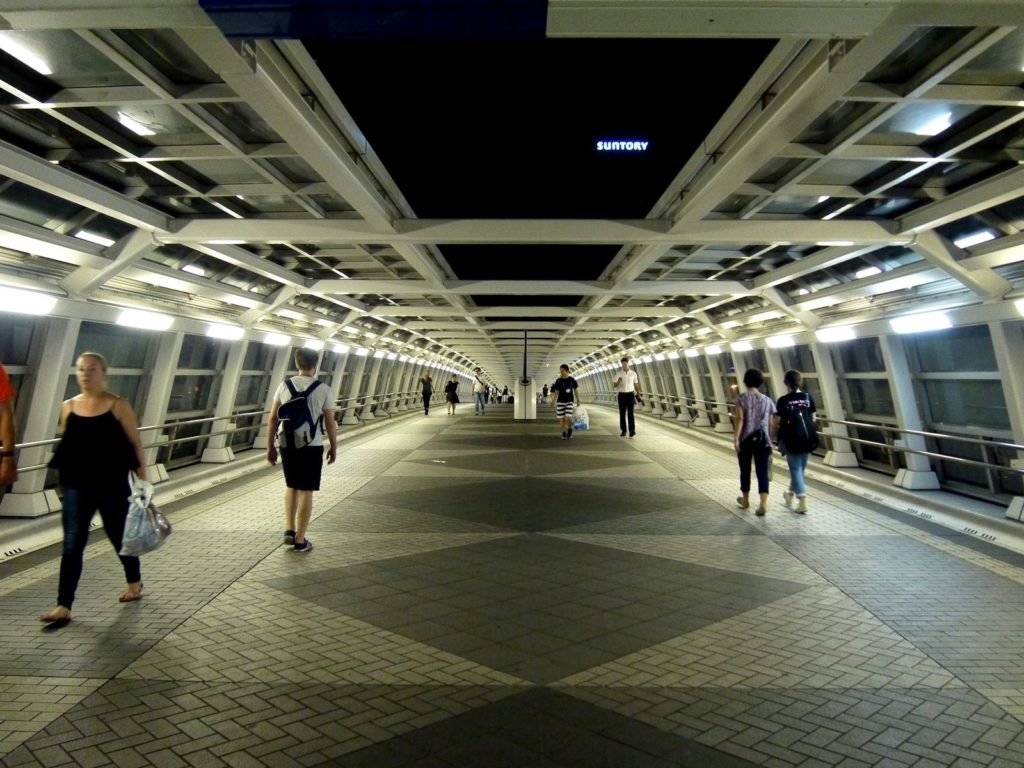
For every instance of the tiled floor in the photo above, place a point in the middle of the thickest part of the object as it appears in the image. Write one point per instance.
(485, 594)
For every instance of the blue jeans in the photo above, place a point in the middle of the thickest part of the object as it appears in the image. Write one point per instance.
(761, 459)
(79, 505)
(481, 401)
(797, 464)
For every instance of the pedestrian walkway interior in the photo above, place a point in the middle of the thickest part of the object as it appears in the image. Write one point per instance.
(482, 593)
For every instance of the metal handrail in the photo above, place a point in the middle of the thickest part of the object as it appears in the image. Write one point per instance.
(938, 435)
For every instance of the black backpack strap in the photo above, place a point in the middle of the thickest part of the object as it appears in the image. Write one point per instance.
(291, 387)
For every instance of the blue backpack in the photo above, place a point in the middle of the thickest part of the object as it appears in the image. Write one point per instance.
(298, 427)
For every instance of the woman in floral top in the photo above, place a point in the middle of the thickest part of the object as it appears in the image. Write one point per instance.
(752, 439)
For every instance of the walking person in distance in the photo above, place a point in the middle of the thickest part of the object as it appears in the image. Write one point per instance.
(627, 389)
(427, 389)
(565, 393)
(451, 394)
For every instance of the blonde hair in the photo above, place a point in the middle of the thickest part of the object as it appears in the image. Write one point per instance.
(96, 356)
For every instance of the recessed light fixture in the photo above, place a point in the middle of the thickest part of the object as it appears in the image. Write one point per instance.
(714, 349)
(14, 47)
(835, 243)
(1019, 304)
(140, 318)
(276, 339)
(225, 242)
(731, 324)
(780, 341)
(741, 346)
(26, 302)
(92, 237)
(920, 323)
(194, 270)
(224, 331)
(362, 351)
(134, 125)
(316, 344)
(691, 352)
(823, 198)
(935, 126)
(976, 239)
(867, 272)
(835, 333)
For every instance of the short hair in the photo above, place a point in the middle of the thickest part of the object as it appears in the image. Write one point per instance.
(563, 365)
(306, 358)
(97, 356)
(753, 378)
(793, 379)
(624, 360)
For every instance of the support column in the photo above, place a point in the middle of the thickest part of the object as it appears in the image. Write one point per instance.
(677, 379)
(724, 421)
(1008, 344)
(277, 374)
(776, 374)
(389, 386)
(371, 389)
(842, 453)
(703, 419)
(218, 449)
(918, 475)
(349, 416)
(158, 395)
(50, 363)
(336, 379)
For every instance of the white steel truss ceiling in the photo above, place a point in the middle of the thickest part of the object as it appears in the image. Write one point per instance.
(872, 139)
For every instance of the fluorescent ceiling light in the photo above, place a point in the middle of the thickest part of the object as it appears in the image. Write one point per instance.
(225, 242)
(341, 349)
(392, 355)
(350, 329)
(823, 198)
(673, 355)
(836, 212)
(134, 125)
(703, 331)
(316, 344)
(92, 237)
(741, 346)
(691, 352)
(935, 126)
(778, 342)
(1019, 304)
(223, 331)
(825, 301)
(194, 270)
(731, 324)
(714, 349)
(925, 321)
(290, 314)
(276, 339)
(324, 323)
(867, 272)
(20, 51)
(150, 321)
(835, 333)
(659, 356)
(403, 359)
(802, 292)
(26, 302)
(978, 237)
(362, 351)
(769, 315)
(835, 243)
(646, 359)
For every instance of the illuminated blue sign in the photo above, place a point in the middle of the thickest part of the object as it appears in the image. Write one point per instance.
(629, 145)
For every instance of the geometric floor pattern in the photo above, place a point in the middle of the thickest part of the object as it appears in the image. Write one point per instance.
(484, 594)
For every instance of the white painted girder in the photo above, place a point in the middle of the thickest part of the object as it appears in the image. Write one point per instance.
(528, 287)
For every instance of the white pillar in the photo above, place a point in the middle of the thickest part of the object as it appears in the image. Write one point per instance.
(349, 416)
(371, 389)
(677, 380)
(218, 449)
(336, 378)
(724, 422)
(918, 475)
(1008, 344)
(158, 394)
(776, 374)
(282, 359)
(703, 419)
(50, 362)
(842, 453)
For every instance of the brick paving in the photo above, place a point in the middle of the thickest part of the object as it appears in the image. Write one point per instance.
(484, 594)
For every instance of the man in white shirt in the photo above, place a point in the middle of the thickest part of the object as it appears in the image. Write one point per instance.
(479, 393)
(627, 387)
(303, 465)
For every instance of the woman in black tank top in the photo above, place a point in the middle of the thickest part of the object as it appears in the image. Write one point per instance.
(99, 445)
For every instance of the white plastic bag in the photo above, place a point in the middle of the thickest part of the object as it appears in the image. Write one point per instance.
(581, 419)
(146, 527)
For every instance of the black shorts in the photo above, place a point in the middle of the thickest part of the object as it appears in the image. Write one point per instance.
(302, 467)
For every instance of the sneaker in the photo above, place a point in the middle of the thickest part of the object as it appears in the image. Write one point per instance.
(622, 434)
(564, 437)
(569, 434)
(787, 498)
(289, 537)
(632, 434)
(304, 546)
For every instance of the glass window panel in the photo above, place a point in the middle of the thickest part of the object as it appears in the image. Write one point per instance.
(879, 456)
(122, 347)
(962, 473)
(870, 397)
(259, 357)
(755, 359)
(201, 352)
(252, 391)
(860, 356)
(970, 402)
(968, 348)
(798, 358)
(124, 386)
(187, 452)
(16, 338)
(192, 393)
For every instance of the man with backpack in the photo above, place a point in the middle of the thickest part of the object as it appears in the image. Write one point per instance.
(797, 435)
(301, 414)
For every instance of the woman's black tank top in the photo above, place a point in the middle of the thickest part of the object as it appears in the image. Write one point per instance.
(94, 453)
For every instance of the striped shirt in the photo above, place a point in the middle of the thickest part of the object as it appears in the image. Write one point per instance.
(757, 409)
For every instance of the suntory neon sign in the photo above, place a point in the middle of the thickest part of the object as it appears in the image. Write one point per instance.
(629, 145)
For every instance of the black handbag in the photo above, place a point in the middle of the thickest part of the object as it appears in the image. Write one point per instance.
(756, 442)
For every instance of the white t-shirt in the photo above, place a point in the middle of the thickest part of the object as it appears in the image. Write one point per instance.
(479, 386)
(629, 380)
(318, 401)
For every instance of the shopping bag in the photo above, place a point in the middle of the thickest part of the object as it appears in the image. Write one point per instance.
(146, 528)
(581, 419)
